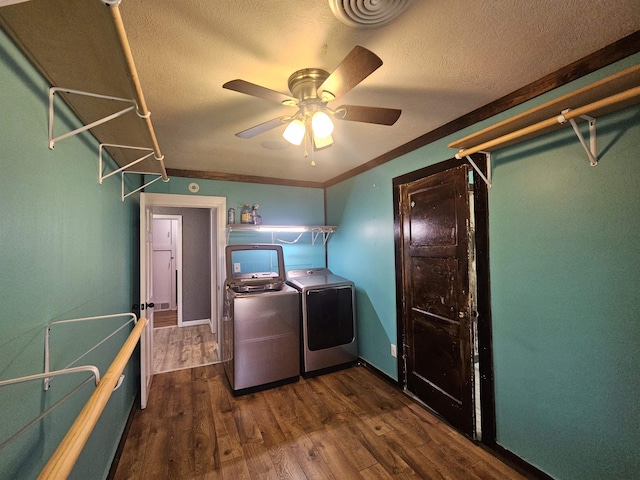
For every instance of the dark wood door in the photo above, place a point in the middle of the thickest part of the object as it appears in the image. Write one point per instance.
(435, 273)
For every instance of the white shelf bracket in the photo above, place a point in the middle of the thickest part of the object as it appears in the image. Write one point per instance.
(55, 373)
(123, 172)
(100, 163)
(314, 231)
(591, 149)
(315, 235)
(54, 90)
(487, 178)
(47, 344)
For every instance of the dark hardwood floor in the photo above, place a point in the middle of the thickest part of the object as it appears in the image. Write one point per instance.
(165, 318)
(343, 425)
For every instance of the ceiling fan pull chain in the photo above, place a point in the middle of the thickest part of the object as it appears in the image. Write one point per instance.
(313, 153)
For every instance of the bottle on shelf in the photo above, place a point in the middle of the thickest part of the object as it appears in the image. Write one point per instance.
(246, 215)
(257, 219)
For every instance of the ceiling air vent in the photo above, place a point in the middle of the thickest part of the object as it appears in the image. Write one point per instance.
(368, 13)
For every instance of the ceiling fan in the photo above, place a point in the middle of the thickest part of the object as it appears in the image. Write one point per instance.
(312, 89)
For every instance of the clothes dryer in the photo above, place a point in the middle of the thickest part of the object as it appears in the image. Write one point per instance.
(329, 338)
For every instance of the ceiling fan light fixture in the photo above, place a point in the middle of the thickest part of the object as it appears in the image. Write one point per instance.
(294, 133)
(312, 89)
(321, 124)
(320, 143)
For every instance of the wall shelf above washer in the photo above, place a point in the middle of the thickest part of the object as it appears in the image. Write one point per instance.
(314, 230)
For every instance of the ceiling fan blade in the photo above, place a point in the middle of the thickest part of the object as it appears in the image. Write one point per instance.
(263, 127)
(249, 88)
(378, 115)
(356, 66)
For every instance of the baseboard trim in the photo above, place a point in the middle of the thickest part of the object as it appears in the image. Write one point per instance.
(192, 323)
(516, 462)
(379, 373)
(498, 451)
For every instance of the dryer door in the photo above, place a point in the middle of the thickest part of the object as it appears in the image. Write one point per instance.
(330, 319)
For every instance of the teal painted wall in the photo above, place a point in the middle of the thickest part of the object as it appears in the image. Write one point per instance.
(279, 205)
(564, 262)
(565, 266)
(68, 249)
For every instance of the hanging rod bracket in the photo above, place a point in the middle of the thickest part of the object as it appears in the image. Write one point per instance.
(123, 172)
(101, 148)
(47, 342)
(591, 149)
(485, 178)
(55, 373)
(54, 90)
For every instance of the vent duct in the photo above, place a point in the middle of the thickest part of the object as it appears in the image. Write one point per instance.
(368, 13)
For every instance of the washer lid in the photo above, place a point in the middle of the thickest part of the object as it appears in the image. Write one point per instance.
(254, 267)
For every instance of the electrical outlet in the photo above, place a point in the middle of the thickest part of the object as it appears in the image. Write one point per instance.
(394, 351)
(236, 268)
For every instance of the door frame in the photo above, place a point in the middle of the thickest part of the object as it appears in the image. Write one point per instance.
(217, 207)
(484, 329)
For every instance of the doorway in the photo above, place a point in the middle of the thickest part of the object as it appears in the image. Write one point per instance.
(214, 209)
(442, 285)
(184, 335)
(167, 270)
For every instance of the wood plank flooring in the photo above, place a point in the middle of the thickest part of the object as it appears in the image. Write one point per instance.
(175, 348)
(165, 318)
(348, 424)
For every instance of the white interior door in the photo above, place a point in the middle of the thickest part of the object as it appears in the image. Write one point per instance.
(166, 233)
(163, 275)
(146, 299)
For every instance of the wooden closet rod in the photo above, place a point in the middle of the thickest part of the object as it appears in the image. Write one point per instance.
(491, 145)
(126, 50)
(64, 458)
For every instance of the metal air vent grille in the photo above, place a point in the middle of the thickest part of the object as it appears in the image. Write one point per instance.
(368, 13)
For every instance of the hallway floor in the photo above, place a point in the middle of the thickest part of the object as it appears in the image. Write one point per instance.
(175, 348)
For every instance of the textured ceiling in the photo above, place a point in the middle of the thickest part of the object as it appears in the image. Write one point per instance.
(442, 59)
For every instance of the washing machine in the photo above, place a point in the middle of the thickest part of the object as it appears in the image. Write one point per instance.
(329, 339)
(261, 320)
